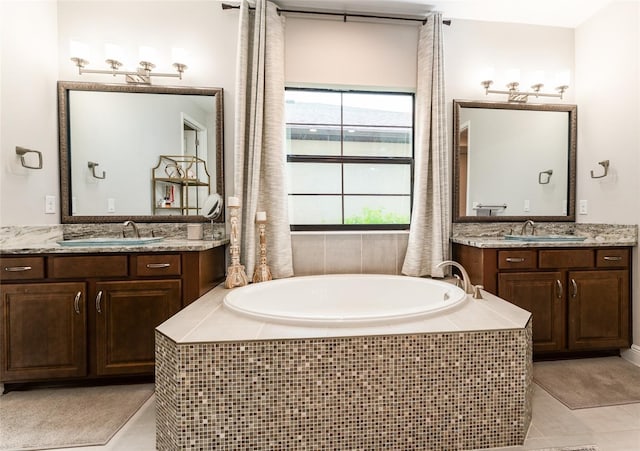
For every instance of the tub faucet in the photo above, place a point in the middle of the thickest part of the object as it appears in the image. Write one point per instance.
(528, 222)
(466, 284)
(132, 224)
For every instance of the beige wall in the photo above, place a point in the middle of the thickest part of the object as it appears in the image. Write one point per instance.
(605, 83)
(608, 95)
(28, 112)
(352, 54)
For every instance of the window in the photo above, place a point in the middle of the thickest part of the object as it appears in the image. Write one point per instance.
(349, 159)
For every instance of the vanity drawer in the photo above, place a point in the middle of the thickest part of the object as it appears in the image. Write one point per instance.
(520, 259)
(563, 258)
(22, 268)
(612, 258)
(66, 267)
(158, 265)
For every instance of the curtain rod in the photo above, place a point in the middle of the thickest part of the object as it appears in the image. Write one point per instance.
(343, 15)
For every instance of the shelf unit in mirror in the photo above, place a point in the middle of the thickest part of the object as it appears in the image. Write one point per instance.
(181, 183)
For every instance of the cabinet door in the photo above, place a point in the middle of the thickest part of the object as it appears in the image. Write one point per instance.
(598, 309)
(44, 331)
(542, 294)
(127, 314)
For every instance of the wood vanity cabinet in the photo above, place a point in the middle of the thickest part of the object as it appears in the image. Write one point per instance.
(579, 297)
(44, 331)
(69, 316)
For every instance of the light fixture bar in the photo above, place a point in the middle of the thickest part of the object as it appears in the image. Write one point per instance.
(141, 76)
(522, 96)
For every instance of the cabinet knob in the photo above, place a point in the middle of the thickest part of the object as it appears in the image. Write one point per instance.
(610, 258)
(17, 268)
(98, 301)
(158, 265)
(515, 259)
(559, 290)
(76, 302)
(574, 288)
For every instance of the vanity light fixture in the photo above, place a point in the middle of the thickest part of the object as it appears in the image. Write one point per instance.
(142, 75)
(515, 95)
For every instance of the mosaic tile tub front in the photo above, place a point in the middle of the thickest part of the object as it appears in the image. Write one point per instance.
(435, 391)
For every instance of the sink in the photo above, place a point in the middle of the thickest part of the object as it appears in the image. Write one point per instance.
(545, 237)
(111, 241)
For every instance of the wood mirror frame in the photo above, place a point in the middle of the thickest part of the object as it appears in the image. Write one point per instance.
(64, 131)
(570, 156)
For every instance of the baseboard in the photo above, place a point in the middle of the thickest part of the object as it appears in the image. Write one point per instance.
(631, 354)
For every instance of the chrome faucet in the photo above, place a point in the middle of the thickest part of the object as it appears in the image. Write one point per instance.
(465, 277)
(528, 222)
(132, 224)
(467, 286)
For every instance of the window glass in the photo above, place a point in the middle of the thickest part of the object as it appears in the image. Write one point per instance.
(377, 179)
(315, 210)
(378, 141)
(377, 210)
(349, 159)
(313, 140)
(313, 178)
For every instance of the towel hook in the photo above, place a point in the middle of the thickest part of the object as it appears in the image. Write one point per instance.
(92, 166)
(605, 165)
(22, 152)
(541, 180)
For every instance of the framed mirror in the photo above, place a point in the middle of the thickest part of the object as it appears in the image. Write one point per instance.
(513, 162)
(142, 153)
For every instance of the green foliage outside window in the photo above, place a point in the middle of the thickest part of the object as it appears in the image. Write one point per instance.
(377, 216)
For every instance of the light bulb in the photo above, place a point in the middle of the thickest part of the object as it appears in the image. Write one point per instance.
(113, 52)
(78, 49)
(147, 54)
(487, 73)
(563, 78)
(513, 76)
(537, 77)
(178, 55)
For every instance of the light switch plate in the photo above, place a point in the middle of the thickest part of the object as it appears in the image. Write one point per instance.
(583, 207)
(111, 205)
(49, 204)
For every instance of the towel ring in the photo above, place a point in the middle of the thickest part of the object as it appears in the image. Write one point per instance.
(605, 165)
(541, 178)
(92, 166)
(21, 151)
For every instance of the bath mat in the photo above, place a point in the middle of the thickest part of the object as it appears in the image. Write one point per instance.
(67, 417)
(585, 383)
(571, 448)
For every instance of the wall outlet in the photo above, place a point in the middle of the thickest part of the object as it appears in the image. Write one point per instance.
(583, 207)
(111, 205)
(49, 204)
(527, 205)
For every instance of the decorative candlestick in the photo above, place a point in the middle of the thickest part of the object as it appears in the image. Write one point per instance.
(236, 277)
(262, 272)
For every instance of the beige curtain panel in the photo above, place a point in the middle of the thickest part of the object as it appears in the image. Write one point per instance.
(259, 153)
(430, 225)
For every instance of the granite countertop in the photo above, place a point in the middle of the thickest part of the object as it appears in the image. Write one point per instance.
(166, 245)
(500, 242)
(43, 239)
(491, 235)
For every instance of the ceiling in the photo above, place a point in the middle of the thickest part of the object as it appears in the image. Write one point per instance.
(560, 13)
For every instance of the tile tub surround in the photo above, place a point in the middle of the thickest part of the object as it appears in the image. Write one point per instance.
(371, 252)
(438, 383)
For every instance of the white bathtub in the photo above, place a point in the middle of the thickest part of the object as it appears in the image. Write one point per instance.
(344, 300)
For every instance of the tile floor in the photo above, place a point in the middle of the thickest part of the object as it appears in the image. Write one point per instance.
(615, 428)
